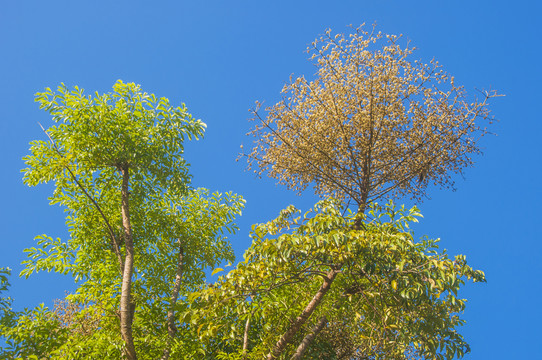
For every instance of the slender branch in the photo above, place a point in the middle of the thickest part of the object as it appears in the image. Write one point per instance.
(114, 240)
(339, 122)
(245, 338)
(318, 172)
(288, 336)
(298, 355)
(172, 328)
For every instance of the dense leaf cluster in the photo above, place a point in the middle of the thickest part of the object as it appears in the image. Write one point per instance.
(392, 296)
(100, 144)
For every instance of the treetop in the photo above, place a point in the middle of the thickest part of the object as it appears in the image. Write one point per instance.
(374, 123)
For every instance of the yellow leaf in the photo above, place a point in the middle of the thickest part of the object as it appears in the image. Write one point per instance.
(216, 271)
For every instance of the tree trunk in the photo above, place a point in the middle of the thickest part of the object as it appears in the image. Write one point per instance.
(245, 338)
(126, 306)
(171, 328)
(302, 319)
(298, 355)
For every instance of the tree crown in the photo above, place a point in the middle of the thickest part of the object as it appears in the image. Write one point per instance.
(374, 123)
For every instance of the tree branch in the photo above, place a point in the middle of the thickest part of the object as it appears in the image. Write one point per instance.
(298, 355)
(288, 336)
(114, 241)
(171, 328)
(245, 338)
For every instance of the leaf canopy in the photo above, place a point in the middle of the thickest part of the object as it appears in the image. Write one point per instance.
(393, 299)
(178, 231)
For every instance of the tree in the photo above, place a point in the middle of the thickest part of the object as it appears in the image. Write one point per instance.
(139, 234)
(374, 123)
(371, 293)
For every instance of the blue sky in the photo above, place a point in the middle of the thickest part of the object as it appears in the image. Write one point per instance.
(219, 57)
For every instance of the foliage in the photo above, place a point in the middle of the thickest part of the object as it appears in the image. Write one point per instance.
(88, 319)
(375, 123)
(95, 135)
(392, 298)
(140, 236)
(27, 333)
(5, 302)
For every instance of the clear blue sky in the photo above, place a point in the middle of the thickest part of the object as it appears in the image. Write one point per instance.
(219, 57)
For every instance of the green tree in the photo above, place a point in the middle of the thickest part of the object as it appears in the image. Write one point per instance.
(140, 236)
(368, 293)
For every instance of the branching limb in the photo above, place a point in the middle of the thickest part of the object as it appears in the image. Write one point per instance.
(171, 328)
(298, 355)
(288, 336)
(114, 241)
